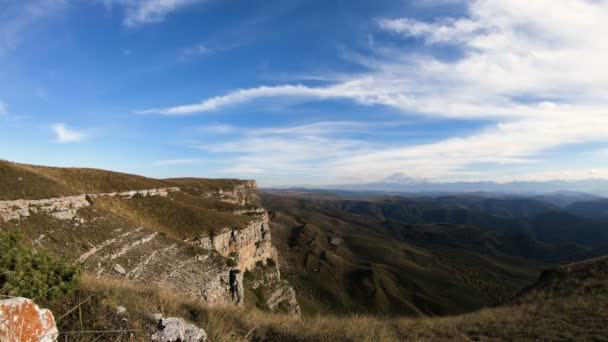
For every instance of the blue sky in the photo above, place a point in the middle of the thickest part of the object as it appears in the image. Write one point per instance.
(308, 92)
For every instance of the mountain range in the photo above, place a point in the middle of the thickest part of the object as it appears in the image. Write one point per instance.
(400, 182)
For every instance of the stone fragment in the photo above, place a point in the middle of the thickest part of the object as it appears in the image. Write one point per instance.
(173, 329)
(119, 269)
(21, 320)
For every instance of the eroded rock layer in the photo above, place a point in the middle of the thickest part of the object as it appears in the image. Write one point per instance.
(117, 244)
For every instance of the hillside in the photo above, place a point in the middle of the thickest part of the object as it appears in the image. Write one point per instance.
(194, 237)
(345, 263)
(245, 265)
(22, 181)
(541, 314)
(595, 209)
(420, 256)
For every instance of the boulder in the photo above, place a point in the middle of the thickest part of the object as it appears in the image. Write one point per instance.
(174, 329)
(21, 320)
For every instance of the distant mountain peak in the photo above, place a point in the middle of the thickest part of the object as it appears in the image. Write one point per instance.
(402, 178)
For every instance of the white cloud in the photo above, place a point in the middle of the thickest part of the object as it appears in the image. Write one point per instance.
(534, 70)
(64, 134)
(447, 31)
(142, 12)
(241, 96)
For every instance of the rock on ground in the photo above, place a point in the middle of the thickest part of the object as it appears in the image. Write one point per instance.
(174, 329)
(21, 320)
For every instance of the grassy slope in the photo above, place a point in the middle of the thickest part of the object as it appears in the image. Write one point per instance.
(179, 215)
(22, 181)
(372, 272)
(576, 313)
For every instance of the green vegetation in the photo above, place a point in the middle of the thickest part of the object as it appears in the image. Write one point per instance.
(34, 275)
(232, 259)
(230, 262)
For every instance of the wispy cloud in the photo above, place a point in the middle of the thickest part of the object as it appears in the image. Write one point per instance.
(204, 49)
(240, 96)
(518, 69)
(196, 50)
(218, 128)
(64, 134)
(17, 17)
(142, 12)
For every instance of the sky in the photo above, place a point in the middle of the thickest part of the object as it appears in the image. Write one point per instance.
(308, 92)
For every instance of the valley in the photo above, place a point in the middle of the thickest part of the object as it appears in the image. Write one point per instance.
(299, 265)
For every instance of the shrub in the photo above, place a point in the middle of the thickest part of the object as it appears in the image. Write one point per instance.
(230, 262)
(24, 273)
(137, 196)
(248, 275)
(89, 199)
(271, 262)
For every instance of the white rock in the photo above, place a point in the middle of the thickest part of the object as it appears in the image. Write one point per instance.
(174, 329)
(119, 269)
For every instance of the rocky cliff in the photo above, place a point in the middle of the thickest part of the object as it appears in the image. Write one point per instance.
(109, 238)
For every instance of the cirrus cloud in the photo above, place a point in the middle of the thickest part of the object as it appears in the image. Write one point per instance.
(539, 81)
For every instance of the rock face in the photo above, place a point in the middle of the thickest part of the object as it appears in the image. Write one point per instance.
(272, 292)
(250, 244)
(245, 193)
(21, 320)
(64, 208)
(174, 329)
(209, 267)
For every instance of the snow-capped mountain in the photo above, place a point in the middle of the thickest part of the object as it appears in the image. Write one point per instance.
(403, 179)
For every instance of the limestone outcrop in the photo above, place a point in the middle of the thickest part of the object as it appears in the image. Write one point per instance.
(248, 245)
(64, 208)
(245, 193)
(110, 244)
(271, 291)
(173, 329)
(21, 320)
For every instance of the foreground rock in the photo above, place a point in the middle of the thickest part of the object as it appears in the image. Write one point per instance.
(174, 329)
(21, 320)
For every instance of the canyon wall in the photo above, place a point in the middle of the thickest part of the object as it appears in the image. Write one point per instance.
(210, 267)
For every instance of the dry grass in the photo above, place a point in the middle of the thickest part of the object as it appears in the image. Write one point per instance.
(175, 218)
(580, 316)
(23, 181)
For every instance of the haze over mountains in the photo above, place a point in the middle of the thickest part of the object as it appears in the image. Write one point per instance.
(400, 182)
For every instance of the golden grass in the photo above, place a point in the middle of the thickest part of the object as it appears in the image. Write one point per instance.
(23, 181)
(175, 218)
(580, 317)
